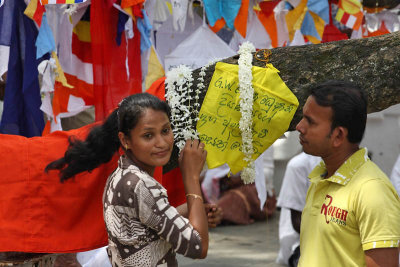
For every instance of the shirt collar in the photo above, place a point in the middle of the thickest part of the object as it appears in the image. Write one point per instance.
(124, 162)
(345, 172)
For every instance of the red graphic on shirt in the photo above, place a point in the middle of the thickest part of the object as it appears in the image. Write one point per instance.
(335, 214)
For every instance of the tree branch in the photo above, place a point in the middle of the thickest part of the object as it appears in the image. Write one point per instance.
(372, 63)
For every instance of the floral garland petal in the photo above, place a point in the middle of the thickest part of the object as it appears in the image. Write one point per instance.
(246, 92)
(179, 91)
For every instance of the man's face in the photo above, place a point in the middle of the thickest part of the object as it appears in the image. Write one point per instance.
(315, 129)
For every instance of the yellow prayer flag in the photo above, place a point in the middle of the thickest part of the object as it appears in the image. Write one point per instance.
(294, 18)
(31, 8)
(60, 76)
(350, 6)
(273, 108)
(319, 27)
(155, 69)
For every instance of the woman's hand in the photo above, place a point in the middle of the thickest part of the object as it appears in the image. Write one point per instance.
(192, 159)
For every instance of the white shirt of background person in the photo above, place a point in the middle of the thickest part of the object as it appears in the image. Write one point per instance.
(395, 175)
(293, 196)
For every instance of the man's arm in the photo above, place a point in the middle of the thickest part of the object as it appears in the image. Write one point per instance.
(295, 215)
(387, 257)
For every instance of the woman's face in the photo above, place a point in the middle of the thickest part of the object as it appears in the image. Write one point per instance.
(151, 141)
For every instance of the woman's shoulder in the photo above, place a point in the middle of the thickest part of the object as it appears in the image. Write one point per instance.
(134, 176)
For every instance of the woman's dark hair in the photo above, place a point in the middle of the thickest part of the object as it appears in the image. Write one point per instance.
(102, 141)
(349, 106)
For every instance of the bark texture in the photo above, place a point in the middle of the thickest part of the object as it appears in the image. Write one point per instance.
(372, 63)
(381, 3)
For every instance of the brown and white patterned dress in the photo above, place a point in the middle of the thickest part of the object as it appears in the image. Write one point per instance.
(143, 229)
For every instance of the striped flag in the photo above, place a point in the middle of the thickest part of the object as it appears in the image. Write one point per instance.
(75, 55)
(350, 14)
(46, 2)
(35, 11)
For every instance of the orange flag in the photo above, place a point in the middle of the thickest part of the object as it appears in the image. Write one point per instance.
(267, 19)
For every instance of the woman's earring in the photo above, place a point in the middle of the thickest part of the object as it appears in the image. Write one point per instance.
(126, 146)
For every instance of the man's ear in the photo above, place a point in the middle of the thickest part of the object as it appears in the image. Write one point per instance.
(339, 136)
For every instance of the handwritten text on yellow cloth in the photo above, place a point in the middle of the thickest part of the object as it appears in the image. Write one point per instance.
(218, 125)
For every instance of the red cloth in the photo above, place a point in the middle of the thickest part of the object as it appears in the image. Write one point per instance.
(381, 31)
(157, 88)
(39, 214)
(111, 82)
(331, 32)
(173, 183)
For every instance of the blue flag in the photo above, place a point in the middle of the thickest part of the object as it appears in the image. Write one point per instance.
(45, 41)
(6, 16)
(22, 114)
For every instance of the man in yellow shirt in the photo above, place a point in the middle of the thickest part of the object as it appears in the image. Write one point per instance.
(352, 212)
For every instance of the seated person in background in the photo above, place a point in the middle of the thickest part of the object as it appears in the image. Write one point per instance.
(292, 198)
(222, 190)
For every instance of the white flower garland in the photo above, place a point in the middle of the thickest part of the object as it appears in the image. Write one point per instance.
(246, 91)
(178, 86)
(179, 83)
(201, 86)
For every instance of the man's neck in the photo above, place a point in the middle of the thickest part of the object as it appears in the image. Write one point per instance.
(336, 159)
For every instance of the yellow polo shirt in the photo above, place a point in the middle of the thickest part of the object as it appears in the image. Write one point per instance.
(355, 209)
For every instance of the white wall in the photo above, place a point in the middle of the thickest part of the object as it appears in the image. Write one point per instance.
(382, 137)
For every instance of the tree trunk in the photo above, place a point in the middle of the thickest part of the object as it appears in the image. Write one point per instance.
(372, 63)
(381, 3)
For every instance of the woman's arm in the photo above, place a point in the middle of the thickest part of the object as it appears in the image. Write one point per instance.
(191, 161)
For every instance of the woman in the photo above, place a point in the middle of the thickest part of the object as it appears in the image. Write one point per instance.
(143, 229)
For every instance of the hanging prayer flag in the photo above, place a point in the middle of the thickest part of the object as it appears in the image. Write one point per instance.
(129, 3)
(218, 125)
(294, 18)
(382, 30)
(22, 114)
(309, 16)
(73, 88)
(313, 27)
(331, 32)
(46, 2)
(6, 20)
(155, 69)
(45, 41)
(35, 11)
(350, 14)
(227, 9)
(266, 16)
(117, 69)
